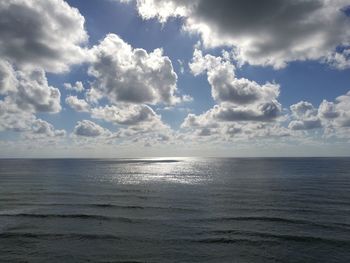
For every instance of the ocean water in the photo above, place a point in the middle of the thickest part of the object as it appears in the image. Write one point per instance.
(175, 210)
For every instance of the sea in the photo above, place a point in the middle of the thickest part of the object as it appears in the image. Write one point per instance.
(175, 210)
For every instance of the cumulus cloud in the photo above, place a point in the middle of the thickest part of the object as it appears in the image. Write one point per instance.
(13, 119)
(76, 104)
(41, 128)
(225, 86)
(86, 128)
(307, 124)
(125, 74)
(339, 60)
(41, 33)
(224, 113)
(8, 79)
(35, 94)
(240, 99)
(77, 87)
(337, 113)
(29, 91)
(161, 10)
(334, 116)
(240, 91)
(126, 114)
(305, 115)
(36, 36)
(328, 110)
(269, 32)
(181, 65)
(263, 112)
(199, 121)
(137, 123)
(23, 95)
(49, 37)
(205, 126)
(303, 109)
(245, 108)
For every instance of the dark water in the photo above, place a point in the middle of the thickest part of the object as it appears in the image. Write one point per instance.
(188, 210)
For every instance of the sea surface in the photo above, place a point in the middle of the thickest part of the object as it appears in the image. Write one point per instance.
(175, 210)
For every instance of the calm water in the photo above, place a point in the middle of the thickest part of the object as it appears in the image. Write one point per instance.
(186, 210)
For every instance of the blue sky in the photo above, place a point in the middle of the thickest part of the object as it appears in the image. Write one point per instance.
(208, 104)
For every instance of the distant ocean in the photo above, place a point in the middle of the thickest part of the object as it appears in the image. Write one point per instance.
(175, 210)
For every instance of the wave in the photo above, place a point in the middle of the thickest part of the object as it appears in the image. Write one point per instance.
(79, 216)
(116, 206)
(272, 235)
(121, 261)
(140, 207)
(57, 236)
(9, 199)
(105, 205)
(224, 240)
(123, 194)
(265, 237)
(324, 225)
(330, 225)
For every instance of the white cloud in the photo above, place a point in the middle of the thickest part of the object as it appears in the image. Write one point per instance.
(137, 123)
(199, 121)
(303, 109)
(24, 94)
(307, 124)
(328, 110)
(77, 87)
(206, 126)
(14, 119)
(201, 64)
(161, 10)
(126, 114)
(268, 111)
(76, 104)
(337, 113)
(339, 60)
(187, 98)
(305, 117)
(41, 33)
(181, 65)
(8, 79)
(41, 128)
(246, 108)
(36, 36)
(334, 117)
(226, 113)
(29, 91)
(125, 74)
(241, 91)
(11, 118)
(240, 99)
(35, 94)
(86, 128)
(271, 32)
(226, 87)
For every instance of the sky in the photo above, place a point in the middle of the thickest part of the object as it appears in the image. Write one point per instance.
(147, 78)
